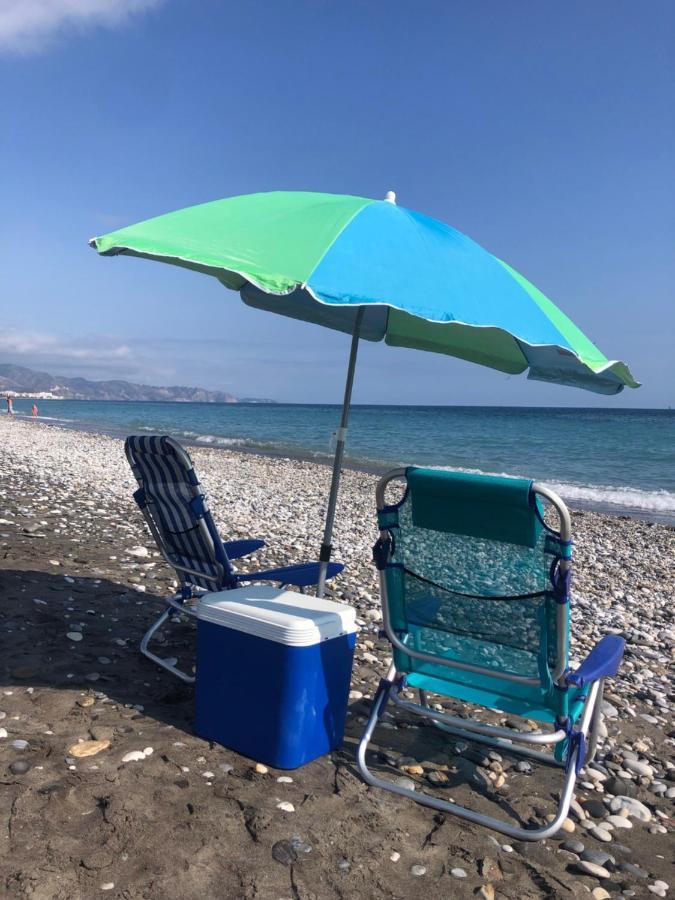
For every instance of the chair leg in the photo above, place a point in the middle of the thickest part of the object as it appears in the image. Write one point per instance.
(512, 831)
(596, 718)
(147, 637)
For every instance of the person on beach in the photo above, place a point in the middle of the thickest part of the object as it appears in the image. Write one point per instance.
(10, 406)
(34, 410)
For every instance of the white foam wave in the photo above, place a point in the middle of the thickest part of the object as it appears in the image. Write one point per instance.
(634, 499)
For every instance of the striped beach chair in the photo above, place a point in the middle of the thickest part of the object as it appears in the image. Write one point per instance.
(475, 589)
(176, 511)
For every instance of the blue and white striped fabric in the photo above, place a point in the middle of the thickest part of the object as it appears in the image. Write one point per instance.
(171, 495)
(175, 506)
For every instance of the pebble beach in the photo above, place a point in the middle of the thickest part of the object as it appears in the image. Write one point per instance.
(106, 790)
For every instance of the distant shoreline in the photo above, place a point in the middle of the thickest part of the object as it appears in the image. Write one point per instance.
(325, 461)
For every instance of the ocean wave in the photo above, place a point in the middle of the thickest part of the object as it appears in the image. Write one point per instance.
(599, 495)
(624, 497)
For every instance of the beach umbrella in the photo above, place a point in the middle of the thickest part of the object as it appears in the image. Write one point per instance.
(377, 271)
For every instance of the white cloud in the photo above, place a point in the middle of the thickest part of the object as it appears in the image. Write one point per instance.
(15, 343)
(26, 25)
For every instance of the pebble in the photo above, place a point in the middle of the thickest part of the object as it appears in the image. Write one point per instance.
(19, 767)
(592, 869)
(600, 834)
(599, 857)
(136, 755)
(619, 821)
(261, 769)
(573, 847)
(285, 779)
(599, 893)
(418, 871)
(284, 853)
(395, 856)
(74, 636)
(108, 886)
(285, 806)
(458, 873)
(19, 744)
(405, 782)
(640, 768)
(88, 748)
(3, 733)
(634, 808)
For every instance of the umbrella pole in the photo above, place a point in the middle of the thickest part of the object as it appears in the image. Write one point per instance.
(326, 547)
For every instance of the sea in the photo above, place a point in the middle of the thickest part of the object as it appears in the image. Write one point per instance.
(611, 460)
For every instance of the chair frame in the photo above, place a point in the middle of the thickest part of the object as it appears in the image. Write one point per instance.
(506, 739)
(177, 603)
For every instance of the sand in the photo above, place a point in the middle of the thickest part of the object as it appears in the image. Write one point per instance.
(184, 818)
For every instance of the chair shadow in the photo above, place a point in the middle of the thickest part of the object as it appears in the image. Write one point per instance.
(39, 610)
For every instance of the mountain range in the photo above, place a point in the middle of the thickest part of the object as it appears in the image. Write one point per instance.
(21, 381)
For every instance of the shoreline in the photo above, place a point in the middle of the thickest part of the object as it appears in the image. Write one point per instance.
(325, 460)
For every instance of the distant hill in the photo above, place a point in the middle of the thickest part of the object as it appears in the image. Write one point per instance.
(20, 381)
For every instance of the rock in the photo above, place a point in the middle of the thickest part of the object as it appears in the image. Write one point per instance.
(261, 769)
(19, 744)
(573, 847)
(19, 767)
(590, 868)
(3, 733)
(285, 806)
(633, 807)
(284, 853)
(108, 886)
(418, 871)
(599, 893)
(85, 702)
(524, 767)
(631, 869)
(486, 891)
(133, 756)
(620, 787)
(594, 808)
(74, 636)
(619, 821)
(600, 834)
(599, 857)
(489, 868)
(88, 748)
(436, 777)
(284, 779)
(138, 551)
(395, 856)
(639, 768)
(415, 769)
(458, 873)
(405, 782)
(568, 826)
(101, 732)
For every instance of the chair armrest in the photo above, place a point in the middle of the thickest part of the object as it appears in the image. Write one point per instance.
(237, 549)
(300, 575)
(603, 661)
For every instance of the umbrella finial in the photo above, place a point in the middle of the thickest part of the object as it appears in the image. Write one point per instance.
(390, 197)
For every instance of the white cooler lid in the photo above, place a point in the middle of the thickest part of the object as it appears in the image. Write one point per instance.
(274, 614)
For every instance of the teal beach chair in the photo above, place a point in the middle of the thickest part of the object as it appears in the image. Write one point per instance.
(475, 590)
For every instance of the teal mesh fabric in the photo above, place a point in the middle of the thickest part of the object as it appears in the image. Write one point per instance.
(476, 600)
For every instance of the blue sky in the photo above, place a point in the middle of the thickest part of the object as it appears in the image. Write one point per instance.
(544, 131)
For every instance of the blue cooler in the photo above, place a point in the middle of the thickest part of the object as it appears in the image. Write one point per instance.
(273, 673)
